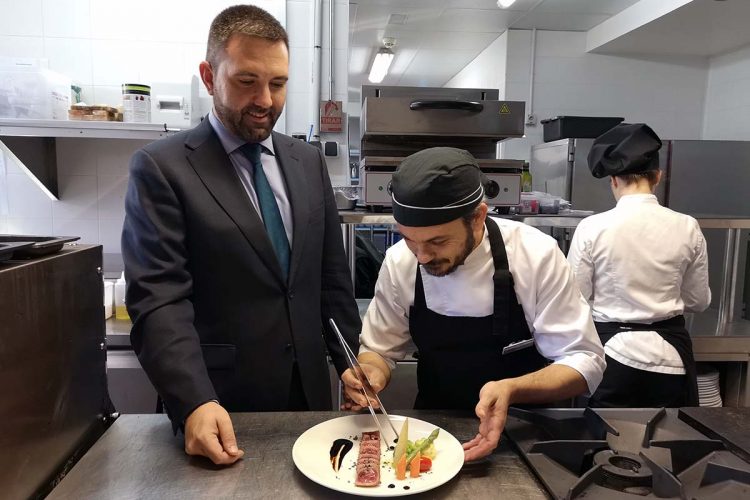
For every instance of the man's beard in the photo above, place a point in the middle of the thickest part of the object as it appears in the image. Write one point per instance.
(232, 120)
(434, 266)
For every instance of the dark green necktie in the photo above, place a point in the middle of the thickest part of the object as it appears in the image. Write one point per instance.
(269, 209)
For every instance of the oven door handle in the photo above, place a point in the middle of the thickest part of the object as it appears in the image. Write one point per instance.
(437, 104)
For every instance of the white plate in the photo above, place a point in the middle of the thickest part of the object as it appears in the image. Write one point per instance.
(311, 456)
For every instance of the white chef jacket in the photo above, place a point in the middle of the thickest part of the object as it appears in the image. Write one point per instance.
(558, 317)
(641, 263)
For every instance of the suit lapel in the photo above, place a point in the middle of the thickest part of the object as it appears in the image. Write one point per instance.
(212, 164)
(297, 190)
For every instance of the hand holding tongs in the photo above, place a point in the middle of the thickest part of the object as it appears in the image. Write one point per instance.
(353, 363)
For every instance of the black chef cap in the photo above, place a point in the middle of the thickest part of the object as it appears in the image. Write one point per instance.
(625, 149)
(435, 186)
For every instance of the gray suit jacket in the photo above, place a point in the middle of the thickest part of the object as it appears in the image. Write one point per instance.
(212, 316)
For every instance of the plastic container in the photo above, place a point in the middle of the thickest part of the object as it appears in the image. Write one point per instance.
(136, 103)
(28, 90)
(109, 298)
(121, 312)
(591, 127)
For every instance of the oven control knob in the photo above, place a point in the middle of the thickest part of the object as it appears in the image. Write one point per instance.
(491, 189)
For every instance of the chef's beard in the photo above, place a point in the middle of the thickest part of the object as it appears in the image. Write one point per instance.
(434, 267)
(232, 120)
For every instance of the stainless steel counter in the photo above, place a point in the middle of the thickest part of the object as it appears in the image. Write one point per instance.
(138, 457)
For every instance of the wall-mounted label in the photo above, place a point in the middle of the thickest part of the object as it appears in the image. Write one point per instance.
(331, 116)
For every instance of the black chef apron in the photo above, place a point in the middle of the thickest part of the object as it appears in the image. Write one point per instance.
(459, 354)
(674, 332)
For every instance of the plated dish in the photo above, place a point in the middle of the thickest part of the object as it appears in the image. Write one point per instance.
(316, 455)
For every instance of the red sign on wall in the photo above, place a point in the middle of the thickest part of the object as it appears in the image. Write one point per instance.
(331, 116)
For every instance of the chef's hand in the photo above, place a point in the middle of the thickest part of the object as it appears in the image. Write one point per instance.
(355, 400)
(209, 433)
(492, 410)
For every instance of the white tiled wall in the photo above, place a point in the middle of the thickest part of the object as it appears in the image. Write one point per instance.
(101, 45)
(667, 94)
(92, 181)
(727, 110)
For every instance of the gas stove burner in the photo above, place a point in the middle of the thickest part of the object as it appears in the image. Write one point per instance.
(623, 470)
(625, 453)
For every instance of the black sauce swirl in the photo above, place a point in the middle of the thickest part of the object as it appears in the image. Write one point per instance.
(339, 449)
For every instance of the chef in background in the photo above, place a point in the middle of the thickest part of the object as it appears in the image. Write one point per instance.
(640, 266)
(464, 290)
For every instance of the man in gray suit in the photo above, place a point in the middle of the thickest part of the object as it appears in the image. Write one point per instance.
(233, 250)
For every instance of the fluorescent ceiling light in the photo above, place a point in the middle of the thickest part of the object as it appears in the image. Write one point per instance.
(504, 4)
(380, 65)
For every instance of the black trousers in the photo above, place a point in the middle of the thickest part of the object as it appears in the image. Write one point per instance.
(297, 400)
(627, 387)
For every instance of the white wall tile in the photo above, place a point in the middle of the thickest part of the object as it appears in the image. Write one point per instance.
(300, 74)
(299, 112)
(300, 24)
(117, 61)
(21, 46)
(67, 18)
(4, 225)
(110, 232)
(21, 17)
(86, 229)
(71, 57)
(78, 195)
(113, 156)
(25, 199)
(76, 156)
(41, 226)
(112, 196)
(162, 62)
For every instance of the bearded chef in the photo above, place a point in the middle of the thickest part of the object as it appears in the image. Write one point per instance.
(487, 303)
(640, 265)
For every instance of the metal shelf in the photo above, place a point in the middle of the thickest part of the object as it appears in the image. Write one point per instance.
(14, 127)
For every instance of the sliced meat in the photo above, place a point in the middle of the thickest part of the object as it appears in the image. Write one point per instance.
(368, 461)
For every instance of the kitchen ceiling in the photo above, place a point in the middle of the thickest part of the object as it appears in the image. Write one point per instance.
(699, 28)
(435, 39)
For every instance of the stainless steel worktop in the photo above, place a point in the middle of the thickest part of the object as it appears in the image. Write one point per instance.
(138, 457)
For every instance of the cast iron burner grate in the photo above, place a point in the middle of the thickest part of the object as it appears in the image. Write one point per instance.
(625, 453)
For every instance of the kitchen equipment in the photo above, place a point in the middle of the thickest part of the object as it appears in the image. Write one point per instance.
(38, 245)
(503, 186)
(346, 196)
(625, 453)
(310, 451)
(367, 390)
(8, 249)
(177, 105)
(399, 121)
(562, 127)
(54, 399)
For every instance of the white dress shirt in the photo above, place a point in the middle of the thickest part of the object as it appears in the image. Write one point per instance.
(641, 263)
(558, 316)
(244, 167)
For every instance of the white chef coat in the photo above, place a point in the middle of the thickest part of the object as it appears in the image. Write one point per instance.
(558, 317)
(641, 263)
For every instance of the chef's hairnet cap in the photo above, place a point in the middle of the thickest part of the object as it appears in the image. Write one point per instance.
(435, 186)
(625, 149)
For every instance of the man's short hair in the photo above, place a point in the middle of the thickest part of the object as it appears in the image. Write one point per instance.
(650, 175)
(245, 20)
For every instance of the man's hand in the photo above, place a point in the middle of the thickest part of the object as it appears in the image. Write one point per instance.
(209, 433)
(355, 400)
(492, 410)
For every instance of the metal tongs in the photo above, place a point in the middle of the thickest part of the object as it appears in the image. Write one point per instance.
(353, 363)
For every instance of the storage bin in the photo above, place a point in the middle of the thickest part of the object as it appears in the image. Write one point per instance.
(29, 91)
(563, 127)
